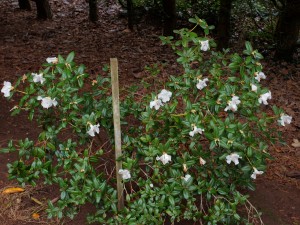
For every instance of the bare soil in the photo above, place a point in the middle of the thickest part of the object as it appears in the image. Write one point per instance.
(25, 43)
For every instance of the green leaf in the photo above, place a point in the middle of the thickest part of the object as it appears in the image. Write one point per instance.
(248, 46)
(171, 200)
(80, 82)
(80, 69)
(186, 194)
(94, 159)
(60, 60)
(70, 57)
(233, 66)
(236, 216)
(192, 20)
(246, 169)
(6, 150)
(63, 195)
(192, 145)
(249, 151)
(38, 152)
(51, 146)
(31, 115)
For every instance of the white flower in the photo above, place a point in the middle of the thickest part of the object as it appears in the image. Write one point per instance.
(53, 60)
(256, 172)
(125, 174)
(264, 97)
(285, 119)
(202, 161)
(38, 78)
(93, 129)
(165, 158)
(151, 185)
(202, 83)
(233, 157)
(47, 102)
(232, 105)
(187, 177)
(6, 88)
(156, 104)
(204, 45)
(235, 100)
(164, 95)
(195, 131)
(253, 88)
(260, 76)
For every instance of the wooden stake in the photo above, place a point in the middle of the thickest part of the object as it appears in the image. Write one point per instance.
(117, 128)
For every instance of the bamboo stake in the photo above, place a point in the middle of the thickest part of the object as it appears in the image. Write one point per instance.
(117, 128)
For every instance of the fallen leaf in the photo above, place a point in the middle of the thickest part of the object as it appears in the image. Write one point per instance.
(293, 174)
(296, 143)
(35, 216)
(138, 75)
(36, 201)
(127, 30)
(12, 190)
(284, 71)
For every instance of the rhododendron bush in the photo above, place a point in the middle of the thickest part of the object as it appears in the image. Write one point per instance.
(197, 141)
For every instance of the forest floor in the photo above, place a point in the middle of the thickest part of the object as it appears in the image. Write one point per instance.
(25, 43)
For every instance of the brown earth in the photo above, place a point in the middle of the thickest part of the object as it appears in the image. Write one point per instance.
(25, 43)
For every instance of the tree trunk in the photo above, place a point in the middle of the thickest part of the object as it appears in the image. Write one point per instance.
(43, 9)
(223, 28)
(93, 15)
(169, 7)
(130, 14)
(24, 4)
(287, 30)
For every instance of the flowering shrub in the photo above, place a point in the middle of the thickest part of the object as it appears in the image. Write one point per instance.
(199, 141)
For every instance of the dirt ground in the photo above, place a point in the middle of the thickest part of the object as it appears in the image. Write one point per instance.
(25, 43)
